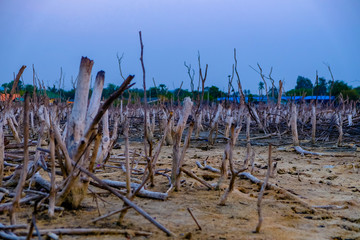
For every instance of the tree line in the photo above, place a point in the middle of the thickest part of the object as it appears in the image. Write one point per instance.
(303, 87)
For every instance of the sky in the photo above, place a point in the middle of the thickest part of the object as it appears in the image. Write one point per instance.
(294, 37)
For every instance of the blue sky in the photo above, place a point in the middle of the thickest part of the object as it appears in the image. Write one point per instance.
(294, 37)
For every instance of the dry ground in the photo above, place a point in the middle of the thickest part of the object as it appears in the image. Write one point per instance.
(318, 181)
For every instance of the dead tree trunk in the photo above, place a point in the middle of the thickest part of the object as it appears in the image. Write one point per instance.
(293, 123)
(76, 127)
(214, 125)
(278, 105)
(339, 125)
(177, 141)
(2, 151)
(76, 124)
(228, 122)
(313, 122)
(22, 180)
(228, 156)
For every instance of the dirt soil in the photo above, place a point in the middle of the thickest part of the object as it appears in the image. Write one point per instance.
(319, 181)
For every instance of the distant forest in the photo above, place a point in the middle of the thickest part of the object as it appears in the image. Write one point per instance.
(304, 87)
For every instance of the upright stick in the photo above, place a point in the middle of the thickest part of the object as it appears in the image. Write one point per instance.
(53, 186)
(22, 180)
(262, 190)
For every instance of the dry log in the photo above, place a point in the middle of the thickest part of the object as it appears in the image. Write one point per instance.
(207, 167)
(87, 231)
(11, 227)
(276, 188)
(125, 200)
(109, 214)
(9, 205)
(142, 193)
(192, 175)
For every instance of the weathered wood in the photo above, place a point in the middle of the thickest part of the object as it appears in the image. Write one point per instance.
(53, 185)
(262, 190)
(313, 123)
(95, 99)
(293, 123)
(192, 175)
(177, 139)
(142, 193)
(88, 231)
(2, 151)
(19, 187)
(76, 123)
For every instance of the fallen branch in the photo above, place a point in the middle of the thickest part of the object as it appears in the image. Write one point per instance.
(109, 214)
(87, 231)
(303, 152)
(207, 167)
(7, 206)
(126, 201)
(192, 175)
(193, 217)
(142, 193)
(276, 188)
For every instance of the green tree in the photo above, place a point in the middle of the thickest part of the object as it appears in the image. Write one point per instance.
(303, 83)
(352, 94)
(261, 88)
(111, 88)
(8, 86)
(339, 86)
(163, 89)
(214, 93)
(321, 88)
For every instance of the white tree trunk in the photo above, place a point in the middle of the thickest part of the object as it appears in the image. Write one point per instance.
(76, 123)
(95, 99)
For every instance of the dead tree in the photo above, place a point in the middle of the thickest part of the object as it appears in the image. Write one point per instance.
(242, 97)
(332, 83)
(293, 124)
(75, 190)
(228, 155)
(260, 72)
(214, 125)
(191, 76)
(313, 123)
(278, 105)
(21, 183)
(177, 153)
(339, 126)
(262, 190)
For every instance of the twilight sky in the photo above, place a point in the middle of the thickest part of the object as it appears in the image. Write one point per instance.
(295, 37)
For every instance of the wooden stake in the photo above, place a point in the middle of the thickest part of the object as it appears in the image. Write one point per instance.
(193, 217)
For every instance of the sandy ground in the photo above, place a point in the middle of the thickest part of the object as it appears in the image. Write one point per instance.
(319, 181)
